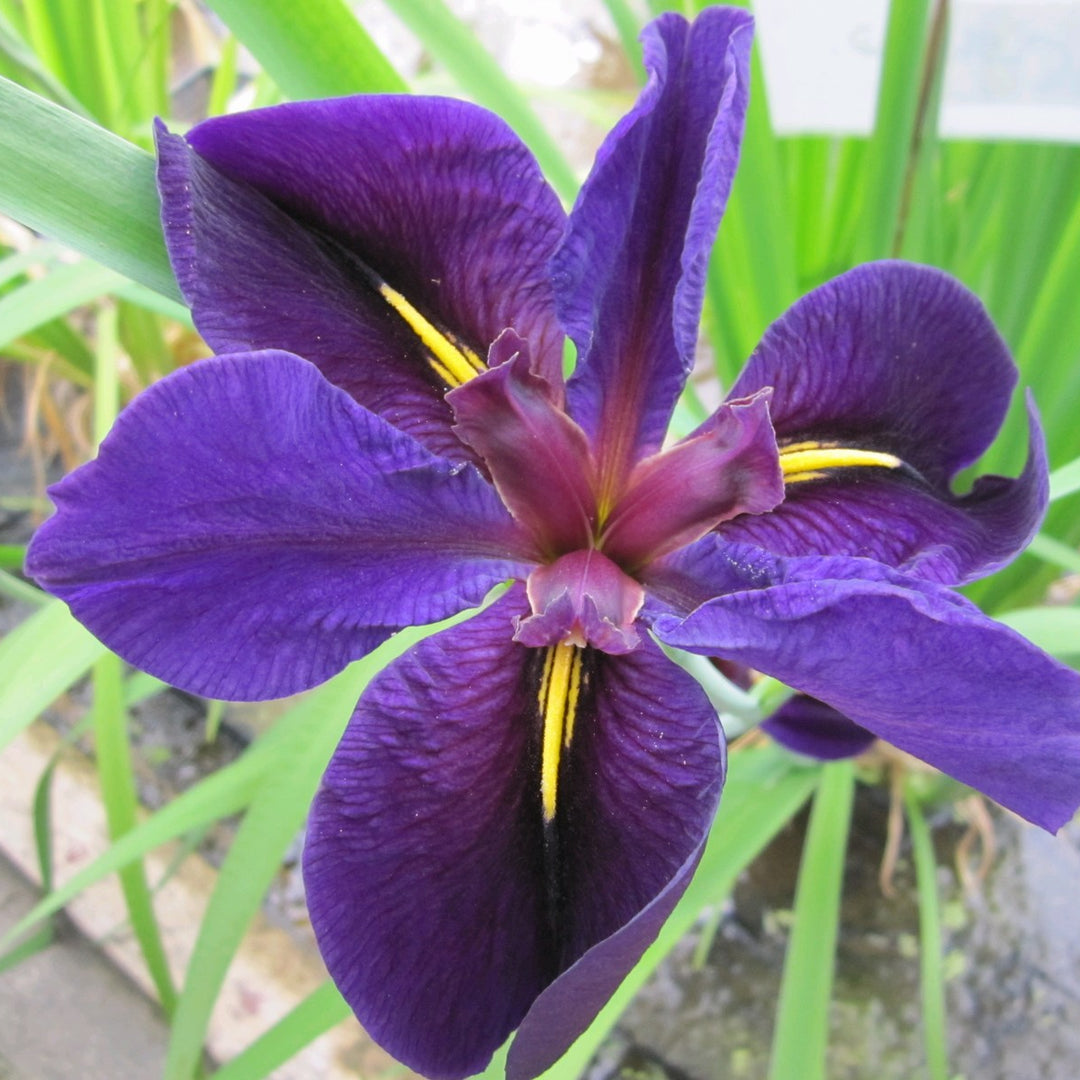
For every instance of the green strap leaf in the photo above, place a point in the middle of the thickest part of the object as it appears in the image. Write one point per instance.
(121, 811)
(1054, 552)
(43, 842)
(29, 65)
(1054, 629)
(886, 167)
(12, 556)
(1052, 335)
(39, 660)
(223, 85)
(317, 1013)
(73, 181)
(628, 27)
(57, 31)
(1036, 184)
(68, 286)
(41, 253)
(920, 211)
(1065, 481)
(931, 968)
(149, 300)
(15, 587)
(316, 49)
(802, 1022)
(752, 275)
(273, 819)
(222, 793)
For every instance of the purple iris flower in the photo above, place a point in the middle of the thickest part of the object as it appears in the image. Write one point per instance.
(386, 434)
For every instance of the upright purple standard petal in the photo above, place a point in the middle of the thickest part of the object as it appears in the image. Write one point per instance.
(901, 360)
(443, 899)
(277, 219)
(247, 530)
(630, 274)
(910, 661)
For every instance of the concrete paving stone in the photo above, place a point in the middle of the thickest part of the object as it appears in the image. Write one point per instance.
(67, 1012)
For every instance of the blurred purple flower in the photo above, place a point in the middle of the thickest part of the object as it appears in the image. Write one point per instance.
(519, 801)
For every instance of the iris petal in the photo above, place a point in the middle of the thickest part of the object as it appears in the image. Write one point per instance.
(643, 792)
(906, 524)
(630, 274)
(903, 360)
(567, 1007)
(908, 660)
(443, 902)
(424, 856)
(274, 219)
(247, 530)
(811, 727)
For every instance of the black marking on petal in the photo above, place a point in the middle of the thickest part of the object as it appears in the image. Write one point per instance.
(560, 680)
(816, 460)
(451, 359)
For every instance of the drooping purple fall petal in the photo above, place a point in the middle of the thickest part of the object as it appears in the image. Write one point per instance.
(811, 727)
(910, 661)
(630, 274)
(442, 902)
(247, 530)
(423, 862)
(560, 1015)
(275, 219)
(903, 360)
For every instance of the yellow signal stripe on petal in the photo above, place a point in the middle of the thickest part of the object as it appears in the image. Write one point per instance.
(560, 686)
(810, 460)
(572, 699)
(454, 363)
